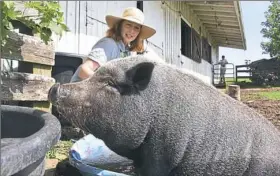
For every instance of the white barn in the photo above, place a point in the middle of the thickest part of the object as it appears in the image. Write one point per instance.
(188, 33)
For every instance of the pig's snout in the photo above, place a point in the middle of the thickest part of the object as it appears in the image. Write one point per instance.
(53, 93)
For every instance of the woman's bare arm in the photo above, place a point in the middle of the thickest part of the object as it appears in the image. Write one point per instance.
(88, 68)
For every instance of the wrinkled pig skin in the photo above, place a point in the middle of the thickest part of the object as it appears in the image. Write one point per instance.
(169, 122)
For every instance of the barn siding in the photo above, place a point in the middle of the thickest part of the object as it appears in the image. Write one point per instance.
(155, 18)
(173, 13)
(86, 20)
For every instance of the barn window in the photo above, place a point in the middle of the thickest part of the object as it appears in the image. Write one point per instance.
(185, 39)
(140, 5)
(206, 50)
(196, 46)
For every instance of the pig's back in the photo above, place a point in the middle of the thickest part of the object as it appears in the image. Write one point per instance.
(216, 128)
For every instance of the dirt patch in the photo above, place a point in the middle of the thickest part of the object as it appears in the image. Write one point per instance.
(267, 107)
(57, 155)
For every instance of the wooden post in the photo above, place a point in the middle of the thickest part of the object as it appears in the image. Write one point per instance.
(32, 82)
(25, 86)
(234, 92)
(44, 70)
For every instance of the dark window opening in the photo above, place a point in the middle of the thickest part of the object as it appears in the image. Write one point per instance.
(210, 54)
(196, 47)
(140, 5)
(206, 50)
(185, 39)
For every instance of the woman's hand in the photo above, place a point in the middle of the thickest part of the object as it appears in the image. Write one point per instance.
(87, 68)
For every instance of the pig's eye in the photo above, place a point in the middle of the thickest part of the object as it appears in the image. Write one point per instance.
(111, 83)
(115, 85)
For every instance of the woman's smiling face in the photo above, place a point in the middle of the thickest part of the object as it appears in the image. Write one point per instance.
(129, 31)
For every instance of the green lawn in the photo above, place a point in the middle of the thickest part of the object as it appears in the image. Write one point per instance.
(274, 95)
(261, 95)
(60, 150)
(230, 80)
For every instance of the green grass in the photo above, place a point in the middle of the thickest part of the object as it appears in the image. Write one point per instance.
(230, 80)
(261, 95)
(60, 150)
(251, 96)
(274, 95)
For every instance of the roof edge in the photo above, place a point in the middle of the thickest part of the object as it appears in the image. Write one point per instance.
(238, 11)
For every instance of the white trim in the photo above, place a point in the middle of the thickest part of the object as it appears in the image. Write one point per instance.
(186, 21)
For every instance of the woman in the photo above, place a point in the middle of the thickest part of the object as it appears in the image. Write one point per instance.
(124, 36)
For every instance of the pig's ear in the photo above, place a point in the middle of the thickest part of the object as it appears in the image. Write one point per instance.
(140, 75)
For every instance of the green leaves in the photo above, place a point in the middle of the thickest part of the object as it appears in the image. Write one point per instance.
(48, 18)
(7, 13)
(271, 30)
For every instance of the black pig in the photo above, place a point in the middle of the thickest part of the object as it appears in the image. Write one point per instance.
(169, 122)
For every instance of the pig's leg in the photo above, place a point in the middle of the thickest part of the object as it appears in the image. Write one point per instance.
(154, 167)
(159, 159)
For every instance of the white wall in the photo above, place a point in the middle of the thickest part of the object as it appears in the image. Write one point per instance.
(172, 35)
(9, 65)
(86, 20)
(202, 70)
(154, 16)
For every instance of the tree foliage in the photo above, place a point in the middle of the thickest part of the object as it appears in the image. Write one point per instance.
(48, 19)
(271, 30)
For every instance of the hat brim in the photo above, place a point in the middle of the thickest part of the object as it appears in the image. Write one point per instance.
(146, 31)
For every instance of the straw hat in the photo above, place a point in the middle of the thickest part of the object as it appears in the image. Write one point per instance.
(134, 15)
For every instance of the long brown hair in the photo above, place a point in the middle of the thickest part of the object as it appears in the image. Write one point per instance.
(115, 33)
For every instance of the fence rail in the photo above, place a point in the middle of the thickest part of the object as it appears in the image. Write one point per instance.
(246, 70)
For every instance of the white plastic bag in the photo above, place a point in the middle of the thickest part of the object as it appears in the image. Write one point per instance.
(90, 154)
